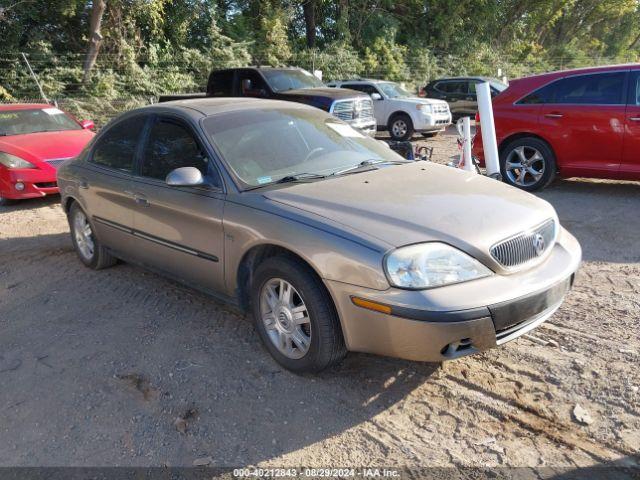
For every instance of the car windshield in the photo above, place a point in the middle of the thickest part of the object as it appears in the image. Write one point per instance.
(283, 80)
(263, 146)
(21, 122)
(393, 90)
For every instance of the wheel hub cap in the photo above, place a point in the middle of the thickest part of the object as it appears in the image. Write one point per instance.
(525, 166)
(83, 235)
(285, 318)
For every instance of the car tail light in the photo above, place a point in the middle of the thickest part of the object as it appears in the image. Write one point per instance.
(477, 117)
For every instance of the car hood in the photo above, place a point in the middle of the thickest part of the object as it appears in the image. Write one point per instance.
(420, 202)
(420, 101)
(333, 93)
(46, 145)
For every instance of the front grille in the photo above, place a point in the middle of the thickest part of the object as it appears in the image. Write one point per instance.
(353, 109)
(56, 162)
(526, 246)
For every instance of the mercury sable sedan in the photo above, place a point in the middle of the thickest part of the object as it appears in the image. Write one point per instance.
(329, 239)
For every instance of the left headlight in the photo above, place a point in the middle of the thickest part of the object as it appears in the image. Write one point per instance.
(433, 264)
(11, 161)
(424, 107)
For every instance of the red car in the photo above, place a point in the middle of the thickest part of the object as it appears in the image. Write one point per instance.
(575, 123)
(34, 140)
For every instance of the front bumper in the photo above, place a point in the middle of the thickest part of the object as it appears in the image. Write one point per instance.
(366, 126)
(457, 320)
(431, 122)
(35, 183)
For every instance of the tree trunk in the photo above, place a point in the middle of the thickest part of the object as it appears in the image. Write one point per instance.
(95, 38)
(309, 9)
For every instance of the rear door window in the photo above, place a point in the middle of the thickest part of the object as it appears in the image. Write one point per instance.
(592, 89)
(221, 84)
(117, 147)
(452, 87)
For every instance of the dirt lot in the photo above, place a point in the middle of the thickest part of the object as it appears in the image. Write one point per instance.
(122, 367)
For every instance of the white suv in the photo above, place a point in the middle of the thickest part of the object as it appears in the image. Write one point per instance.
(399, 111)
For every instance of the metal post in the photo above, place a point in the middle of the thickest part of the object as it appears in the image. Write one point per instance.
(466, 145)
(489, 143)
(35, 78)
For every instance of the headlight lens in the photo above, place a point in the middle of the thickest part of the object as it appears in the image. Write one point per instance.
(424, 108)
(11, 161)
(434, 264)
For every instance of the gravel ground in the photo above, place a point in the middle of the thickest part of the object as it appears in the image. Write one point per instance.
(123, 367)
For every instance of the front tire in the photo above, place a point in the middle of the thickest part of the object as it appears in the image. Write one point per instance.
(401, 127)
(430, 134)
(528, 163)
(89, 249)
(295, 316)
(5, 202)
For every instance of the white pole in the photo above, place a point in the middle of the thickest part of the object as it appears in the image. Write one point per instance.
(490, 146)
(466, 146)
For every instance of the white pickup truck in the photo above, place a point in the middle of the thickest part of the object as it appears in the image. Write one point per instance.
(400, 112)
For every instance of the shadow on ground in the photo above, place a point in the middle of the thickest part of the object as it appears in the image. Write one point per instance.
(593, 211)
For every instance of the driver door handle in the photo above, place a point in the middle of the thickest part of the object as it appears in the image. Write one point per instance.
(635, 119)
(141, 200)
(554, 115)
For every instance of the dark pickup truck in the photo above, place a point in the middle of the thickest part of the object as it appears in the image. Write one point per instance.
(294, 85)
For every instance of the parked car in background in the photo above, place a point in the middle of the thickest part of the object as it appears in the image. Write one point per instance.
(331, 240)
(400, 112)
(34, 140)
(291, 84)
(460, 93)
(574, 123)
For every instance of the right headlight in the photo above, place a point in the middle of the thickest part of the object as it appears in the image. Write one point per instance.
(11, 161)
(424, 107)
(433, 264)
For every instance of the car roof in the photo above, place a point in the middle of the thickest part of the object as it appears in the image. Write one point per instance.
(577, 71)
(23, 106)
(198, 107)
(474, 77)
(362, 80)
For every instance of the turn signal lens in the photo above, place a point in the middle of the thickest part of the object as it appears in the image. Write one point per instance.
(369, 305)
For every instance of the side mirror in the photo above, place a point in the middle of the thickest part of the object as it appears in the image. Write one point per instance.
(87, 124)
(376, 96)
(184, 177)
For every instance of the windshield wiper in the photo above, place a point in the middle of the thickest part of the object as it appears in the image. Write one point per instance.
(299, 176)
(364, 163)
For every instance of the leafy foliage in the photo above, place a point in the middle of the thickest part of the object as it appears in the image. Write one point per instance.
(156, 46)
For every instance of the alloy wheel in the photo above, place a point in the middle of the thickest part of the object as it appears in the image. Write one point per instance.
(83, 235)
(285, 318)
(399, 128)
(525, 166)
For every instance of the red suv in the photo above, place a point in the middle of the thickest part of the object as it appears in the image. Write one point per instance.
(575, 123)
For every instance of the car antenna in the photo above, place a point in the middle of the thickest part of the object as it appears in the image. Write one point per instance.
(35, 78)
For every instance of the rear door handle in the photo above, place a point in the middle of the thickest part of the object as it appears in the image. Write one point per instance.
(634, 119)
(553, 115)
(82, 183)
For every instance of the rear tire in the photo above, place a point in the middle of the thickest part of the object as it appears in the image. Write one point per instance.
(528, 163)
(400, 127)
(89, 249)
(295, 316)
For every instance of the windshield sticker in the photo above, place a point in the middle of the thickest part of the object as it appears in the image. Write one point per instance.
(263, 180)
(52, 111)
(345, 130)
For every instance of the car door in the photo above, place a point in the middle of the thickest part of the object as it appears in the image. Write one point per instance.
(380, 106)
(630, 163)
(454, 92)
(105, 183)
(583, 116)
(178, 230)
